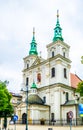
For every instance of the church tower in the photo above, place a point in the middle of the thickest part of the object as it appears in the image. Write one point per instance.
(58, 55)
(29, 60)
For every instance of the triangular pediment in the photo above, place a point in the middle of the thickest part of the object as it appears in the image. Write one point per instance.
(22, 104)
(38, 61)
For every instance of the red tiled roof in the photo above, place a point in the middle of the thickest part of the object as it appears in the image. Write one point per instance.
(74, 79)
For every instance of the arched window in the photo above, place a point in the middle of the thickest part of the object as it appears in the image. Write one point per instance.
(65, 73)
(38, 77)
(44, 99)
(27, 81)
(63, 54)
(68, 119)
(53, 72)
(67, 96)
(52, 53)
(27, 66)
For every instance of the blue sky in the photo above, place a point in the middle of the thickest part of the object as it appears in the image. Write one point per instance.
(17, 19)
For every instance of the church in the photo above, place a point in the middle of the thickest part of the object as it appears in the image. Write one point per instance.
(51, 90)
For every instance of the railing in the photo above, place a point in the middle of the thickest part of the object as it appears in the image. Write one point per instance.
(75, 122)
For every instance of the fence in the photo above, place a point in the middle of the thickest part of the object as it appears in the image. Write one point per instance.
(75, 122)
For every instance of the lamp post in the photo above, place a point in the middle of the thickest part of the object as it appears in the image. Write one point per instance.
(26, 105)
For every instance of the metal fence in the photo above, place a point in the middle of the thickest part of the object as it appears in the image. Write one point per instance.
(75, 122)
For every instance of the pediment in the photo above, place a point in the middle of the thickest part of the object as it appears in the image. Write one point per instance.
(37, 61)
(22, 104)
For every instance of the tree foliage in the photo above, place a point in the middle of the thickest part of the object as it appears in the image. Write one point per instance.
(82, 59)
(80, 88)
(6, 108)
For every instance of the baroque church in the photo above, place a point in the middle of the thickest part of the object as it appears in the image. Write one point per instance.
(51, 91)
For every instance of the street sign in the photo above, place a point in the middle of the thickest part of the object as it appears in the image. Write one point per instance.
(80, 108)
(15, 117)
(70, 114)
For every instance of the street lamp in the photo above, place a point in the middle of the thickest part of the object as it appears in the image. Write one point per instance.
(26, 90)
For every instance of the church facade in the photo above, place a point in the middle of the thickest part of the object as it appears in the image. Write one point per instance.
(50, 94)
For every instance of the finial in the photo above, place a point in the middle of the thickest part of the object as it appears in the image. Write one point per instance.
(57, 13)
(33, 31)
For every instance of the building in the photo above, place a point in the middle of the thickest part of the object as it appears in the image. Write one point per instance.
(51, 94)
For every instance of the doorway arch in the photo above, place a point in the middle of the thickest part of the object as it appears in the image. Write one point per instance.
(24, 118)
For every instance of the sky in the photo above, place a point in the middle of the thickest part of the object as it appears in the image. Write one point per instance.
(17, 19)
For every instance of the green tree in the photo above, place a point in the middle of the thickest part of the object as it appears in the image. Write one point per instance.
(6, 108)
(80, 88)
(82, 59)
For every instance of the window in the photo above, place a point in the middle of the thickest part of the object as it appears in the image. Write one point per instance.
(27, 81)
(27, 66)
(65, 73)
(67, 96)
(56, 31)
(52, 116)
(68, 119)
(38, 77)
(59, 31)
(33, 90)
(52, 53)
(64, 54)
(53, 72)
(44, 99)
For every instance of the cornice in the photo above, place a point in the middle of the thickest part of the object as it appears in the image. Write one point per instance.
(56, 85)
(48, 61)
(58, 42)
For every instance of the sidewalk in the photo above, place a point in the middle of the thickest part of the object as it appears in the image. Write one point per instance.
(43, 127)
(54, 128)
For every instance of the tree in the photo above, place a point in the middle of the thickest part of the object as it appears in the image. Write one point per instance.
(80, 88)
(82, 59)
(6, 108)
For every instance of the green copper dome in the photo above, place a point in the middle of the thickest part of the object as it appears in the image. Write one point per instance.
(57, 30)
(33, 49)
(33, 85)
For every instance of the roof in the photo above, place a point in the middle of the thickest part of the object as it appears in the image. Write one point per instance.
(35, 99)
(74, 79)
(33, 86)
(70, 102)
(16, 94)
